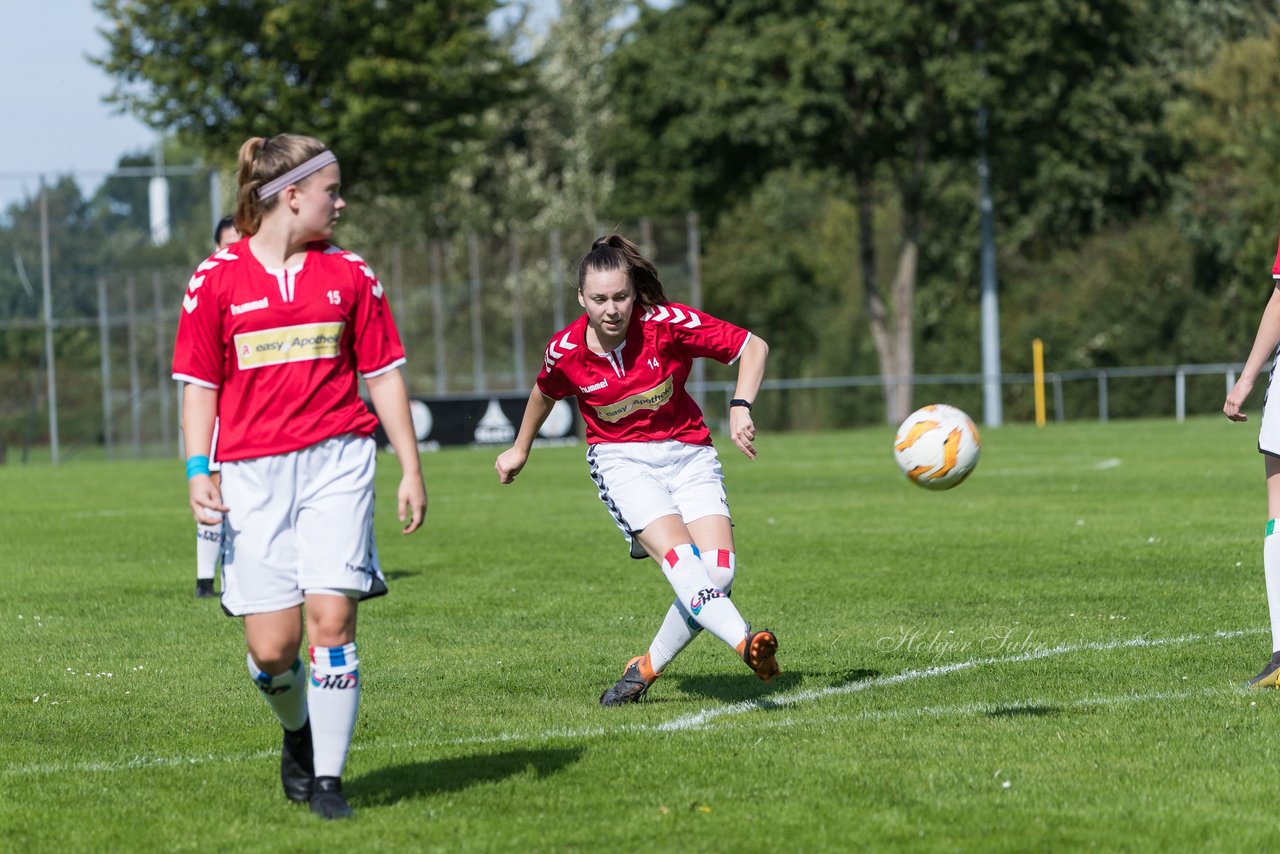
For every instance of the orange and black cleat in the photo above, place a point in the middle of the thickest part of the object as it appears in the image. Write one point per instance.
(635, 681)
(757, 650)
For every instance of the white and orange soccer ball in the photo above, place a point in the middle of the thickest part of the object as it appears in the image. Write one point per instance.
(937, 446)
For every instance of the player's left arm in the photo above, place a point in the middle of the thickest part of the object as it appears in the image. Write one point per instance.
(199, 409)
(751, 364)
(391, 403)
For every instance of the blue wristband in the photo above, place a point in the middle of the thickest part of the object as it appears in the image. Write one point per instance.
(198, 464)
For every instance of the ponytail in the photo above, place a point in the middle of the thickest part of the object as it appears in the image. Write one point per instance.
(615, 252)
(261, 160)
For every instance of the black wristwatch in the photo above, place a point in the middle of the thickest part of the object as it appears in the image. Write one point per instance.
(737, 401)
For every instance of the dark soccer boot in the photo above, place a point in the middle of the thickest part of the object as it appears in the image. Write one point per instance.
(297, 769)
(758, 650)
(327, 800)
(633, 684)
(204, 588)
(1270, 675)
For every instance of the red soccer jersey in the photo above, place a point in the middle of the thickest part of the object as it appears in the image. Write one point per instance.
(1275, 268)
(283, 347)
(636, 392)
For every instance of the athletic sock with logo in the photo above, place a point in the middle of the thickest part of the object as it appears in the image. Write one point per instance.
(286, 693)
(679, 628)
(208, 549)
(705, 601)
(1271, 569)
(333, 700)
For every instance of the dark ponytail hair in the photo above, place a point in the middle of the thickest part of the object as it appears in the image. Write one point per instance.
(615, 252)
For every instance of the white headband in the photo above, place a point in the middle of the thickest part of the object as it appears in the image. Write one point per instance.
(296, 174)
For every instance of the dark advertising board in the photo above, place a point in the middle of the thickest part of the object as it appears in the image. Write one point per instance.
(483, 420)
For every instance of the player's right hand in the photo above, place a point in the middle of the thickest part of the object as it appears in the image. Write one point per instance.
(509, 464)
(1235, 400)
(205, 500)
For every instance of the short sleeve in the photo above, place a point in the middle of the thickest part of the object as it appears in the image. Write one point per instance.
(197, 349)
(1275, 268)
(376, 340)
(552, 382)
(701, 335)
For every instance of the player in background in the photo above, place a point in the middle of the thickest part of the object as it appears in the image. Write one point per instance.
(1264, 346)
(209, 537)
(626, 360)
(274, 334)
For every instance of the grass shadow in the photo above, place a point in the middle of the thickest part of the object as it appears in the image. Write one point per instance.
(399, 573)
(387, 786)
(735, 687)
(1023, 712)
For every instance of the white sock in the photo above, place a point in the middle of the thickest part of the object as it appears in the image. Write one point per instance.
(1271, 569)
(208, 549)
(286, 693)
(679, 628)
(333, 700)
(707, 603)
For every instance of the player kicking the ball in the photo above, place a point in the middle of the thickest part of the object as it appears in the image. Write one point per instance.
(274, 333)
(626, 360)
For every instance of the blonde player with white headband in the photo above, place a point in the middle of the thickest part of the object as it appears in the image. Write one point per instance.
(273, 336)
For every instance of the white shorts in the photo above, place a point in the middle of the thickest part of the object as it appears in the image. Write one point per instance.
(643, 481)
(1269, 430)
(298, 522)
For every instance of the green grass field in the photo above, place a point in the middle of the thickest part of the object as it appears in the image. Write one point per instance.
(1049, 657)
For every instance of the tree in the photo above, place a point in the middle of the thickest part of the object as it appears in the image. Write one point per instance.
(394, 86)
(717, 94)
(1229, 123)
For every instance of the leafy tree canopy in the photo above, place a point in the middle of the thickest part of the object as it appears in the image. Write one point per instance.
(394, 86)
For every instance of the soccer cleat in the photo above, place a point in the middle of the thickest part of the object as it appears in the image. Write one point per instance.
(758, 650)
(633, 684)
(1270, 675)
(297, 769)
(204, 588)
(327, 800)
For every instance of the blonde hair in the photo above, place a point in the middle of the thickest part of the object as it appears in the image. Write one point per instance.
(263, 159)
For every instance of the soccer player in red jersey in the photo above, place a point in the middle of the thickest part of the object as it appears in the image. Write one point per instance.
(627, 360)
(275, 332)
(1264, 348)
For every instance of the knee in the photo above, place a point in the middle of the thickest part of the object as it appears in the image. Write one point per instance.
(274, 655)
(331, 626)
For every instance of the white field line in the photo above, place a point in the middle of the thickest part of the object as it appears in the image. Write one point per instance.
(706, 716)
(1011, 708)
(697, 719)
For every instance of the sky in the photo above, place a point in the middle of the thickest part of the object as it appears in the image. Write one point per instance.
(55, 120)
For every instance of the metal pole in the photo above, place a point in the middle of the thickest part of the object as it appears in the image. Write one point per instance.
(992, 405)
(439, 331)
(1180, 394)
(162, 362)
(46, 283)
(695, 289)
(1103, 413)
(215, 200)
(646, 238)
(517, 314)
(477, 327)
(135, 385)
(557, 298)
(104, 348)
(1059, 411)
